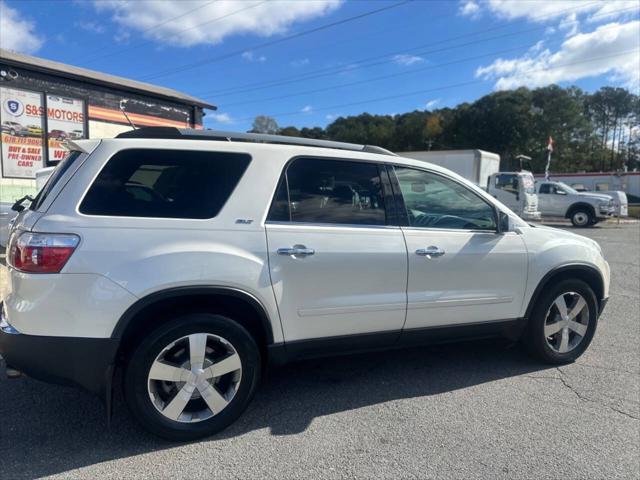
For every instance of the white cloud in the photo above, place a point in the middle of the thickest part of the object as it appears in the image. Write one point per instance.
(251, 57)
(469, 8)
(307, 109)
(89, 26)
(122, 36)
(16, 33)
(407, 60)
(224, 118)
(207, 22)
(432, 103)
(546, 10)
(570, 23)
(300, 62)
(609, 49)
(331, 116)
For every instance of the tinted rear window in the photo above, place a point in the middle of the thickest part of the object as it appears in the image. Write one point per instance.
(165, 184)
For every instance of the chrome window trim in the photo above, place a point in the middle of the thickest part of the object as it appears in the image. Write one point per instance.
(331, 225)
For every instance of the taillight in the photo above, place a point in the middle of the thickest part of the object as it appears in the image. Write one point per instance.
(41, 252)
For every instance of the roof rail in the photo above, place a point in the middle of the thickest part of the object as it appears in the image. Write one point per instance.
(217, 135)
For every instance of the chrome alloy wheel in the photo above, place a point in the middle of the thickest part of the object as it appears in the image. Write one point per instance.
(194, 377)
(566, 322)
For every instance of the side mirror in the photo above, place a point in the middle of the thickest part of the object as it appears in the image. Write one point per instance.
(504, 222)
(560, 192)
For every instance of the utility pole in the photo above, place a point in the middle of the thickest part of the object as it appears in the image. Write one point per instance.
(549, 150)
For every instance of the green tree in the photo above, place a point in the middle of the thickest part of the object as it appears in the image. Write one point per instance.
(264, 124)
(290, 132)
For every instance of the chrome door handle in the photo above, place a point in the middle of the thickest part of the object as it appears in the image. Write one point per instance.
(296, 250)
(430, 252)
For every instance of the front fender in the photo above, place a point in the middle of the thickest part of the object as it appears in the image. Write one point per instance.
(553, 251)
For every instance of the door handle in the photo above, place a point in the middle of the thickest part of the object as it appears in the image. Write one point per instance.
(296, 251)
(430, 252)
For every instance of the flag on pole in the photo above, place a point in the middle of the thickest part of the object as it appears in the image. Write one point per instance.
(549, 150)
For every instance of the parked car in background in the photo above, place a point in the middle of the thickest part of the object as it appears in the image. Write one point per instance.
(14, 128)
(190, 259)
(557, 199)
(58, 134)
(34, 130)
(604, 182)
(6, 215)
(620, 202)
(76, 134)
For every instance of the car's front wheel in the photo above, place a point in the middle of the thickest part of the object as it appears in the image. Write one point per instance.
(192, 377)
(562, 323)
(582, 218)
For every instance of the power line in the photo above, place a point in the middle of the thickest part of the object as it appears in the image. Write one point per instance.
(331, 70)
(270, 43)
(392, 75)
(371, 61)
(443, 87)
(375, 79)
(208, 22)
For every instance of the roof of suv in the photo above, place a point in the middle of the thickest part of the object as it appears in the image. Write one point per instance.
(222, 136)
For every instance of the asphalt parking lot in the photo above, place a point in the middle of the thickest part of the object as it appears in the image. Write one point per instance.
(476, 410)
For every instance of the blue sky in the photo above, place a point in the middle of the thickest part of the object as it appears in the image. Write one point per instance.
(410, 55)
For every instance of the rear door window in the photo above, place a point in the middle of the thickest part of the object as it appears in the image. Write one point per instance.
(326, 191)
(165, 184)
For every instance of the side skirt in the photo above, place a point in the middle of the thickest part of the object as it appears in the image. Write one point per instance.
(282, 353)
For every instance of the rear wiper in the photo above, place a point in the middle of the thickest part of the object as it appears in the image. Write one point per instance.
(18, 206)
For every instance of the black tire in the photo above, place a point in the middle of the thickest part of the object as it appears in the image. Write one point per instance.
(12, 132)
(137, 370)
(582, 217)
(534, 337)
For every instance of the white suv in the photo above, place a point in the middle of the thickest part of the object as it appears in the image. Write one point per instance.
(192, 259)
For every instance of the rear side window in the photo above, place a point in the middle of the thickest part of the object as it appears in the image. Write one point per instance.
(56, 175)
(165, 184)
(315, 190)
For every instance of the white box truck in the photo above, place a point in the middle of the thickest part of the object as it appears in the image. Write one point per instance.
(515, 189)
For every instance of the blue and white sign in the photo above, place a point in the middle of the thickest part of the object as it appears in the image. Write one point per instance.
(13, 107)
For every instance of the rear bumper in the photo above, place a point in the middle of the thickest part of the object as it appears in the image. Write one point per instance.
(86, 362)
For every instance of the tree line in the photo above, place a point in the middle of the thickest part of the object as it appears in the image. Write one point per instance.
(597, 131)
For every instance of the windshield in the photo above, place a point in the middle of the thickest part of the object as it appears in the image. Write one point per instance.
(528, 184)
(567, 188)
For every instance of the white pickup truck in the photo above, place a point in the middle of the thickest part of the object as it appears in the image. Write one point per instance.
(584, 209)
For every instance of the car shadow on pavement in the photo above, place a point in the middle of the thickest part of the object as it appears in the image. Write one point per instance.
(47, 429)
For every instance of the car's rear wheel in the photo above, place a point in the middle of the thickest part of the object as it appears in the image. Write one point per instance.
(582, 218)
(562, 323)
(192, 377)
